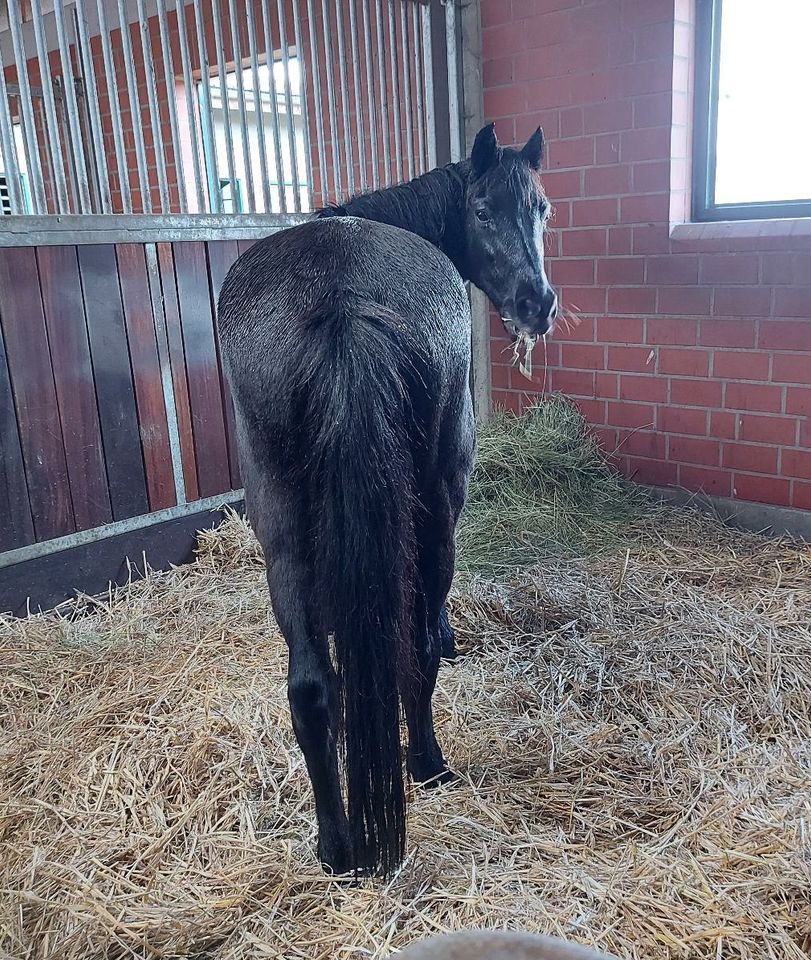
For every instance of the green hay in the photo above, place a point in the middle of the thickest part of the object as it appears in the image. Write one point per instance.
(542, 485)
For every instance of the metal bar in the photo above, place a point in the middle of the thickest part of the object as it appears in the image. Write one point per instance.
(342, 73)
(51, 122)
(167, 383)
(333, 115)
(154, 110)
(9, 145)
(206, 116)
(454, 106)
(27, 110)
(370, 93)
(84, 203)
(90, 90)
(409, 111)
(395, 91)
(236, 52)
(191, 105)
(318, 105)
(384, 94)
(216, 16)
(274, 105)
(135, 107)
(267, 201)
(288, 105)
(117, 527)
(353, 33)
(137, 228)
(428, 73)
(305, 121)
(419, 95)
(169, 86)
(115, 107)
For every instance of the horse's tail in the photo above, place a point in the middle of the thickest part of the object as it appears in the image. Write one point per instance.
(361, 479)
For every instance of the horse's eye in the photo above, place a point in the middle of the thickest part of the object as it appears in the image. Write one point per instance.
(482, 216)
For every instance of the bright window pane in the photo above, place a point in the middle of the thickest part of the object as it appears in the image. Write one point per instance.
(764, 102)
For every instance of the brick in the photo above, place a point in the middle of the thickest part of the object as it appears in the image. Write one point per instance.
(658, 473)
(652, 389)
(716, 483)
(742, 302)
(652, 110)
(577, 152)
(776, 268)
(635, 359)
(801, 496)
(782, 430)
(619, 241)
(606, 385)
(740, 365)
(607, 148)
(651, 177)
(503, 39)
(651, 238)
(684, 301)
(621, 270)
(697, 393)
(578, 329)
(652, 143)
(621, 329)
(632, 415)
(563, 184)
(762, 489)
(729, 268)
(571, 122)
(498, 72)
(583, 356)
(684, 363)
(798, 401)
(608, 116)
(681, 269)
(654, 41)
(633, 300)
(643, 443)
(704, 451)
(793, 302)
(576, 383)
(796, 463)
(750, 457)
(577, 243)
(722, 424)
(791, 368)
(608, 181)
(648, 208)
(567, 271)
(505, 400)
(753, 396)
(586, 213)
(592, 410)
(805, 433)
(584, 299)
(671, 332)
(505, 101)
(727, 333)
(785, 335)
(683, 420)
(492, 13)
(500, 376)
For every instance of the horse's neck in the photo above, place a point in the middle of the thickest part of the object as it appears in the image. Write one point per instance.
(432, 206)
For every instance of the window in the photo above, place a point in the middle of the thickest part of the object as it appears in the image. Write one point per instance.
(753, 100)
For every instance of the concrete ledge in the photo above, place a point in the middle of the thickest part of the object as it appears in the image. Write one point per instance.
(743, 514)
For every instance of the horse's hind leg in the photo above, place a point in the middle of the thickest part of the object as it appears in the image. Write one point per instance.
(312, 684)
(447, 638)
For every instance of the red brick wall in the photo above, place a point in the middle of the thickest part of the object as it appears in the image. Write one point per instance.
(692, 358)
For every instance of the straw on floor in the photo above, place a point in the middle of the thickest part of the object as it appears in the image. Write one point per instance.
(632, 729)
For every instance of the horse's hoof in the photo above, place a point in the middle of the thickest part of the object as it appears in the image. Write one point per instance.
(446, 775)
(335, 854)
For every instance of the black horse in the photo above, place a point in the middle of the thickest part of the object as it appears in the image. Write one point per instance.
(346, 342)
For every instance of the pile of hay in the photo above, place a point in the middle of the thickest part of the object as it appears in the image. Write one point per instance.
(632, 730)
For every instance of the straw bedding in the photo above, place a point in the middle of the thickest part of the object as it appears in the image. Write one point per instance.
(631, 726)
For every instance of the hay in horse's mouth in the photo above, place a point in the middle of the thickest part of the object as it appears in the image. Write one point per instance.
(523, 342)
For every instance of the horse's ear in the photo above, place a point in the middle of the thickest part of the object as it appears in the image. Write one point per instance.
(485, 150)
(533, 149)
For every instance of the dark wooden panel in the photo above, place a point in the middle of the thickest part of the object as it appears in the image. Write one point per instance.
(243, 245)
(202, 368)
(221, 254)
(16, 524)
(177, 359)
(89, 568)
(32, 381)
(114, 388)
(75, 389)
(146, 373)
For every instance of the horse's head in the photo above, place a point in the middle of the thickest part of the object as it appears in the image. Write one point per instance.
(505, 216)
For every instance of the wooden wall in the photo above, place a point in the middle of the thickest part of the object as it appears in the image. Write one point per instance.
(84, 432)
